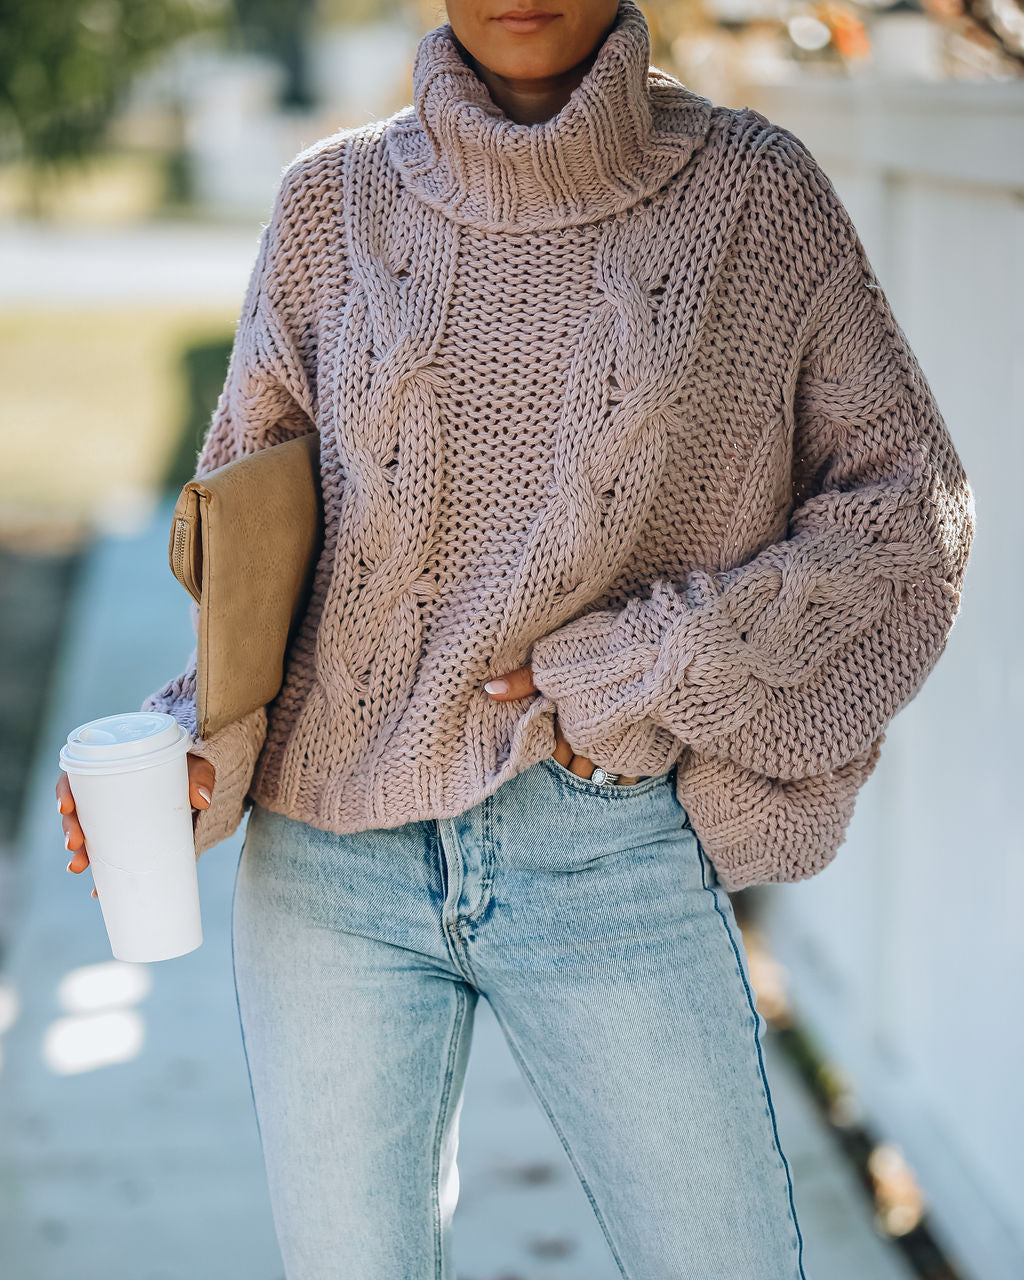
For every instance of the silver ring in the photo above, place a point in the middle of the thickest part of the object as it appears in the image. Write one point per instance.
(602, 775)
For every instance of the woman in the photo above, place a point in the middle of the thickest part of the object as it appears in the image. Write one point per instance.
(611, 409)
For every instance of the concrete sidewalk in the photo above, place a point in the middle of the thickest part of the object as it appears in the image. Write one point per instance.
(128, 1145)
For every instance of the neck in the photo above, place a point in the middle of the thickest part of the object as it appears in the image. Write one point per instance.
(532, 100)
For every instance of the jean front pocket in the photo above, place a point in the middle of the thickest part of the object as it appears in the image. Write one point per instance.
(606, 790)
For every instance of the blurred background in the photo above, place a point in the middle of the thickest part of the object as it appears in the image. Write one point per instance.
(141, 143)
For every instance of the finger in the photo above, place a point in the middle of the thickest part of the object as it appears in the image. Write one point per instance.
(74, 837)
(564, 754)
(95, 894)
(581, 765)
(585, 767)
(517, 684)
(201, 775)
(65, 800)
(74, 843)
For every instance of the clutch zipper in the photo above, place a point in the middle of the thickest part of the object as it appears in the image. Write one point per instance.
(184, 569)
(180, 533)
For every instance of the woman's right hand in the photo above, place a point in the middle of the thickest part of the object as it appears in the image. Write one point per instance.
(201, 775)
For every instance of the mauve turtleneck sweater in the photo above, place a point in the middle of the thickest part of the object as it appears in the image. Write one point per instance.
(617, 395)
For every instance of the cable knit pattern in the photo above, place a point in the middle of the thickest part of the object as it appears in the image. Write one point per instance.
(618, 395)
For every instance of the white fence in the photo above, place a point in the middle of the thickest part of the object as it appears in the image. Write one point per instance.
(905, 957)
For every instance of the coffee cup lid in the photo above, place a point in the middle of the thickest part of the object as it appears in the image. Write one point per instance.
(131, 739)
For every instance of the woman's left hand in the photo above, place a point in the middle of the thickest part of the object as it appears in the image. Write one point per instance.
(518, 684)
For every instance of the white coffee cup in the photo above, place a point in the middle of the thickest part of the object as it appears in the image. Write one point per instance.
(129, 778)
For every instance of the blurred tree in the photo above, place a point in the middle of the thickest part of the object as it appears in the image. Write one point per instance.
(281, 29)
(204, 366)
(64, 66)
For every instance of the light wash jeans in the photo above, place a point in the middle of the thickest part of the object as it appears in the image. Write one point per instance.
(592, 920)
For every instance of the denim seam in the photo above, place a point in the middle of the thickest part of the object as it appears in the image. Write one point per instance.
(443, 1115)
(486, 857)
(603, 790)
(451, 929)
(760, 1058)
(561, 1137)
(455, 876)
(458, 951)
(437, 851)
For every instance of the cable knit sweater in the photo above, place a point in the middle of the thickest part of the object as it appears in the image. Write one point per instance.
(617, 395)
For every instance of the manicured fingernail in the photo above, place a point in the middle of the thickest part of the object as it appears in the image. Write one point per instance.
(67, 839)
(59, 803)
(70, 860)
(496, 686)
(204, 793)
(95, 894)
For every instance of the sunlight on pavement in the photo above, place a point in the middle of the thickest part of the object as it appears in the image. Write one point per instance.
(104, 986)
(76, 1044)
(98, 1030)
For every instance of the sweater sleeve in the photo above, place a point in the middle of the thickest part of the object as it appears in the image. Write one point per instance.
(792, 663)
(265, 400)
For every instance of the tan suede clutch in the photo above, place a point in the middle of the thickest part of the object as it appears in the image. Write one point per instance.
(244, 542)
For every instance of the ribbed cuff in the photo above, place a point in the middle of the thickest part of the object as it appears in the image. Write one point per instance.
(598, 675)
(233, 752)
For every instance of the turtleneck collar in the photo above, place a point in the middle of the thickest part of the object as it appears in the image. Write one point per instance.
(625, 130)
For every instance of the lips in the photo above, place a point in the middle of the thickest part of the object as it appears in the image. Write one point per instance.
(526, 20)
